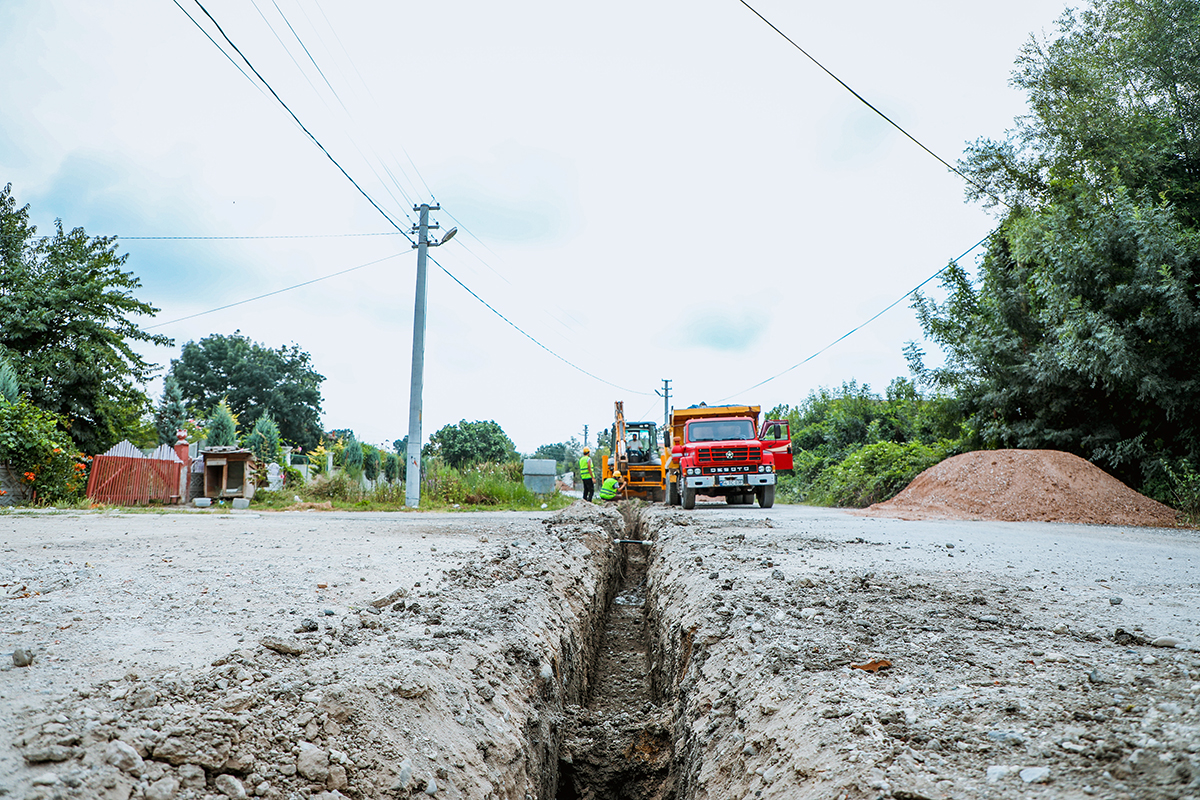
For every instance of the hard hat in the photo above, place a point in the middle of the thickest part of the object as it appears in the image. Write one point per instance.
(617, 474)
(587, 450)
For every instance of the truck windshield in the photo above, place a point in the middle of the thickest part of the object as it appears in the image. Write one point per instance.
(725, 430)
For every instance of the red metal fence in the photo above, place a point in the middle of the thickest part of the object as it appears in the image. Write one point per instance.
(134, 479)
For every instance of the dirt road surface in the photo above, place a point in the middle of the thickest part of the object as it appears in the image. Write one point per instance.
(181, 656)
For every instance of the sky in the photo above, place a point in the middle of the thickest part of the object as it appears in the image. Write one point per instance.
(648, 191)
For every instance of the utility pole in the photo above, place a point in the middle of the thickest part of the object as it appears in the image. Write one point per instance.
(412, 475)
(665, 394)
(585, 435)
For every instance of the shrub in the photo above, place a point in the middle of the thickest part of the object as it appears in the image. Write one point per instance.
(391, 467)
(876, 472)
(338, 486)
(40, 454)
(263, 440)
(371, 463)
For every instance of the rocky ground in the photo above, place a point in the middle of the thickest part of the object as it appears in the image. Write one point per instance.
(204, 656)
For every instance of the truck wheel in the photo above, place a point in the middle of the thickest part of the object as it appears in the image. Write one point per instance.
(748, 499)
(673, 493)
(689, 498)
(766, 496)
(733, 499)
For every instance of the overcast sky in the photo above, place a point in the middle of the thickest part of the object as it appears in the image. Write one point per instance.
(650, 190)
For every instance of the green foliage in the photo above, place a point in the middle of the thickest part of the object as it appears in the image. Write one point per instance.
(66, 307)
(370, 462)
(40, 454)
(1080, 333)
(10, 387)
(171, 414)
(470, 442)
(1112, 105)
(832, 424)
(875, 472)
(391, 467)
(222, 427)
(263, 441)
(565, 454)
(352, 456)
(481, 484)
(255, 380)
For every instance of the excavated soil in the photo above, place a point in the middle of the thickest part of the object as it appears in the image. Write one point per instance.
(1023, 486)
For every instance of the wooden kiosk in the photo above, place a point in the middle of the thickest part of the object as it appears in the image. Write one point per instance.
(227, 472)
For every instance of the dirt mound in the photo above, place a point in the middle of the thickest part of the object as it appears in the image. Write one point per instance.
(1021, 486)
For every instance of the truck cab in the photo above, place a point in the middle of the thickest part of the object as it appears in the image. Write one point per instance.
(720, 451)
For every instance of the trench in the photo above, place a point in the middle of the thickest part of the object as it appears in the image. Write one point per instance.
(617, 743)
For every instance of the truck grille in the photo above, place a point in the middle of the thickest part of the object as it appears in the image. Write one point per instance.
(710, 456)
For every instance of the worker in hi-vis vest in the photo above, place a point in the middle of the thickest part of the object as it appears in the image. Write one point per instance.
(612, 487)
(586, 470)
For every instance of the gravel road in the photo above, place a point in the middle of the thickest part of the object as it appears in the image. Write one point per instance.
(106, 597)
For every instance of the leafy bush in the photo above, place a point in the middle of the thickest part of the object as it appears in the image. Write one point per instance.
(876, 472)
(338, 486)
(391, 467)
(40, 454)
(370, 462)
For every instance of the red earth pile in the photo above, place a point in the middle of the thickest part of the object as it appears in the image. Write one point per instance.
(1023, 485)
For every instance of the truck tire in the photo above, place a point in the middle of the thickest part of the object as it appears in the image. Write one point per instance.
(689, 498)
(672, 493)
(766, 496)
(733, 499)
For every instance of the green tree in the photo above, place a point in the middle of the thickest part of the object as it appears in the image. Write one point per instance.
(65, 322)
(222, 426)
(263, 441)
(10, 386)
(470, 442)
(370, 462)
(391, 467)
(255, 380)
(1080, 333)
(352, 456)
(1114, 104)
(565, 454)
(171, 414)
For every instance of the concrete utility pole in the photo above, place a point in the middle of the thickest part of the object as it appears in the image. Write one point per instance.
(585, 434)
(412, 475)
(665, 394)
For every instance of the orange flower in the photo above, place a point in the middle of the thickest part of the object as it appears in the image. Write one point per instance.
(58, 449)
(29, 476)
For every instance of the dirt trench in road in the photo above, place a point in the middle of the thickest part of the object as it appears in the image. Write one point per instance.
(549, 661)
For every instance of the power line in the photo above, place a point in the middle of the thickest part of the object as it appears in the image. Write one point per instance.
(270, 294)
(279, 236)
(301, 124)
(848, 333)
(217, 46)
(865, 102)
(385, 215)
(522, 332)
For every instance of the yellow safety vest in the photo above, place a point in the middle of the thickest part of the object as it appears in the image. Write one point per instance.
(585, 468)
(609, 490)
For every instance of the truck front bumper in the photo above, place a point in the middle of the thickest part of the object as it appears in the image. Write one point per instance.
(726, 481)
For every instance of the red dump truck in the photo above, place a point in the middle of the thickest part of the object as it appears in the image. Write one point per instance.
(721, 451)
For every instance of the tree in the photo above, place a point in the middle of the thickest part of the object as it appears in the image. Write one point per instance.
(255, 380)
(352, 457)
(391, 467)
(65, 323)
(1081, 331)
(263, 441)
(10, 386)
(565, 454)
(222, 427)
(470, 442)
(171, 414)
(370, 462)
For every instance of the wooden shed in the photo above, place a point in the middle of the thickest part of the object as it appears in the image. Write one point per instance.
(227, 472)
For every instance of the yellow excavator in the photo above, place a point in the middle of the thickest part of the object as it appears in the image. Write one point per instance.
(639, 455)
